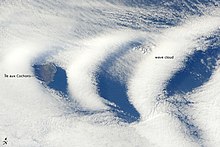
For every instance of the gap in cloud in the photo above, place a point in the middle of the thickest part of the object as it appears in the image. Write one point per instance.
(114, 90)
(52, 76)
(198, 70)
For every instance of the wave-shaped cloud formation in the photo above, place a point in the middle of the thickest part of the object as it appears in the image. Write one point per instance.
(110, 73)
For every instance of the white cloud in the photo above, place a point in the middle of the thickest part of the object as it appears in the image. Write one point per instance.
(32, 115)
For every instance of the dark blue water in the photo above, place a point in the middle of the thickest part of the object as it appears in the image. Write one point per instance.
(53, 76)
(198, 70)
(114, 90)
